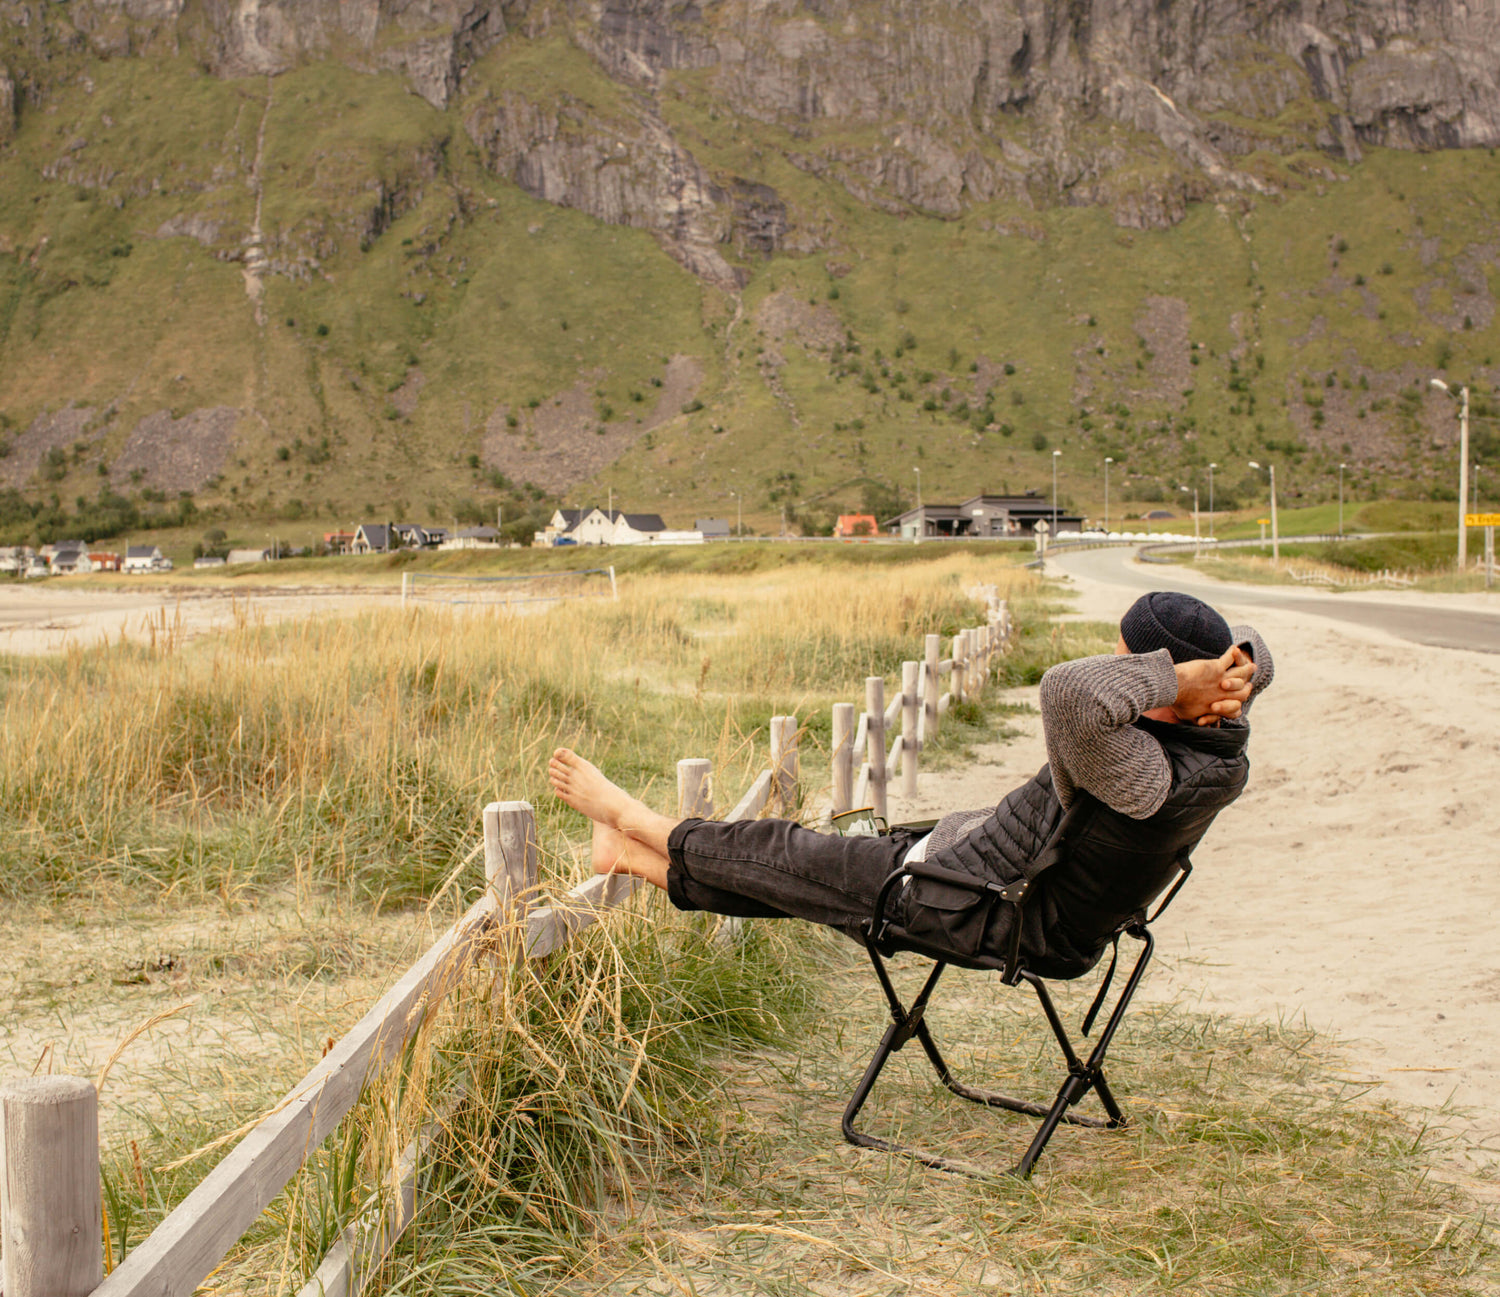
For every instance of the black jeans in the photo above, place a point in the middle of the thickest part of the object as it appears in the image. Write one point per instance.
(776, 869)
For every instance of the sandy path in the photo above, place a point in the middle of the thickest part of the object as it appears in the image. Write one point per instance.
(1356, 882)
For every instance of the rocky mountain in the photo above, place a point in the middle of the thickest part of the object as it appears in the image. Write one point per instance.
(345, 205)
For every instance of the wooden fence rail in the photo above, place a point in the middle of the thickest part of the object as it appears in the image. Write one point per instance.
(49, 1155)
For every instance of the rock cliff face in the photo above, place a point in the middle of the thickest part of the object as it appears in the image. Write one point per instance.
(932, 105)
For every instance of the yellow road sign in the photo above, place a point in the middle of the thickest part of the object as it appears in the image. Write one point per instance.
(1482, 520)
(1264, 522)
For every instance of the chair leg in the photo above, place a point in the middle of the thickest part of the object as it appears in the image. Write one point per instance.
(1080, 1079)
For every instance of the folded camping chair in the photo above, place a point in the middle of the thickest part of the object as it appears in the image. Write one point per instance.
(1082, 1075)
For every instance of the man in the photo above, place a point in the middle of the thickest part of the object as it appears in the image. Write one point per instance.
(1144, 748)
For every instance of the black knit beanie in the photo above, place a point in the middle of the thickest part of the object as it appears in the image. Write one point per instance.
(1186, 627)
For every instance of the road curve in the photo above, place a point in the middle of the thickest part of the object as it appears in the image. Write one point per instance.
(1476, 629)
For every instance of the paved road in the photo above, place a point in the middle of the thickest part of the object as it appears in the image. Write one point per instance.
(1421, 623)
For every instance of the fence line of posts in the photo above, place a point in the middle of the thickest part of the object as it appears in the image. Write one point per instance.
(50, 1188)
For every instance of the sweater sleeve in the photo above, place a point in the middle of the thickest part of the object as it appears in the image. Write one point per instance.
(1088, 709)
(1248, 638)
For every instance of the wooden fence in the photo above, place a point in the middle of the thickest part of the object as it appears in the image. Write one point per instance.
(50, 1195)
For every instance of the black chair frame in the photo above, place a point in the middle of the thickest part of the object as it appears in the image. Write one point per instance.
(1083, 1075)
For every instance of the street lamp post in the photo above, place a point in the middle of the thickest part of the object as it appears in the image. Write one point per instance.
(921, 518)
(1275, 535)
(1463, 468)
(1055, 454)
(1108, 460)
(739, 516)
(1211, 468)
(1197, 538)
(1342, 467)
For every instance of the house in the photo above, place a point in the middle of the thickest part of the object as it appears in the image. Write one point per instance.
(371, 538)
(338, 542)
(855, 524)
(71, 562)
(407, 535)
(208, 560)
(383, 537)
(634, 528)
(13, 559)
(143, 558)
(982, 516)
(104, 561)
(578, 527)
(471, 538)
(70, 557)
(712, 528)
(260, 555)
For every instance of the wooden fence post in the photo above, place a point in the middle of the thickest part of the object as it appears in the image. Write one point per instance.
(911, 744)
(510, 857)
(695, 788)
(875, 741)
(49, 1187)
(843, 757)
(932, 648)
(784, 768)
(956, 680)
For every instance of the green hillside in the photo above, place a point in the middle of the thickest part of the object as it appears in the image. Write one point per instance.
(431, 341)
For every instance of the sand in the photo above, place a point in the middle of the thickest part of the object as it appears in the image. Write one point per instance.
(1356, 883)
(52, 618)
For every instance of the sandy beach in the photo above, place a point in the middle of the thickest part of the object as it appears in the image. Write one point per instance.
(1356, 882)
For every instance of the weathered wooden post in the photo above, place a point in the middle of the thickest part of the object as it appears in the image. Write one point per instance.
(932, 648)
(875, 741)
(695, 788)
(784, 768)
(911, 745)
(510, 857)
(843, 757)
(50, 1216)
(956, 680)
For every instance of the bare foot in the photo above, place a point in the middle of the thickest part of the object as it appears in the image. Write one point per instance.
(618, 853)
(610, 849)
(581, 784)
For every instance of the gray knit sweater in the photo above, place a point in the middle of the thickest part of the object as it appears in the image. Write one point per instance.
(1089, 707)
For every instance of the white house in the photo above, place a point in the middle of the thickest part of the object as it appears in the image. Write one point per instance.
(143, 558)
(261, 555)
(471, 538)
(595, 526)
(633, 528)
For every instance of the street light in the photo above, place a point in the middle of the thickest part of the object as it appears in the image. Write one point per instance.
(1275, 535)
(1211, 468)
(1197, 539)
(921, 520)
(1463, 468)
(1342, 467)
(1055, 454)
(1108, 460)
(739, 516)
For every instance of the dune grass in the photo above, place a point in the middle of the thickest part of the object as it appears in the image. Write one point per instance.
(358, 751)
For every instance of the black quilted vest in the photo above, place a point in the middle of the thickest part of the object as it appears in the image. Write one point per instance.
(1094, 868)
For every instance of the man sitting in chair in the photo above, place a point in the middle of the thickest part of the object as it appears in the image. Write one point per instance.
(1144, 748)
